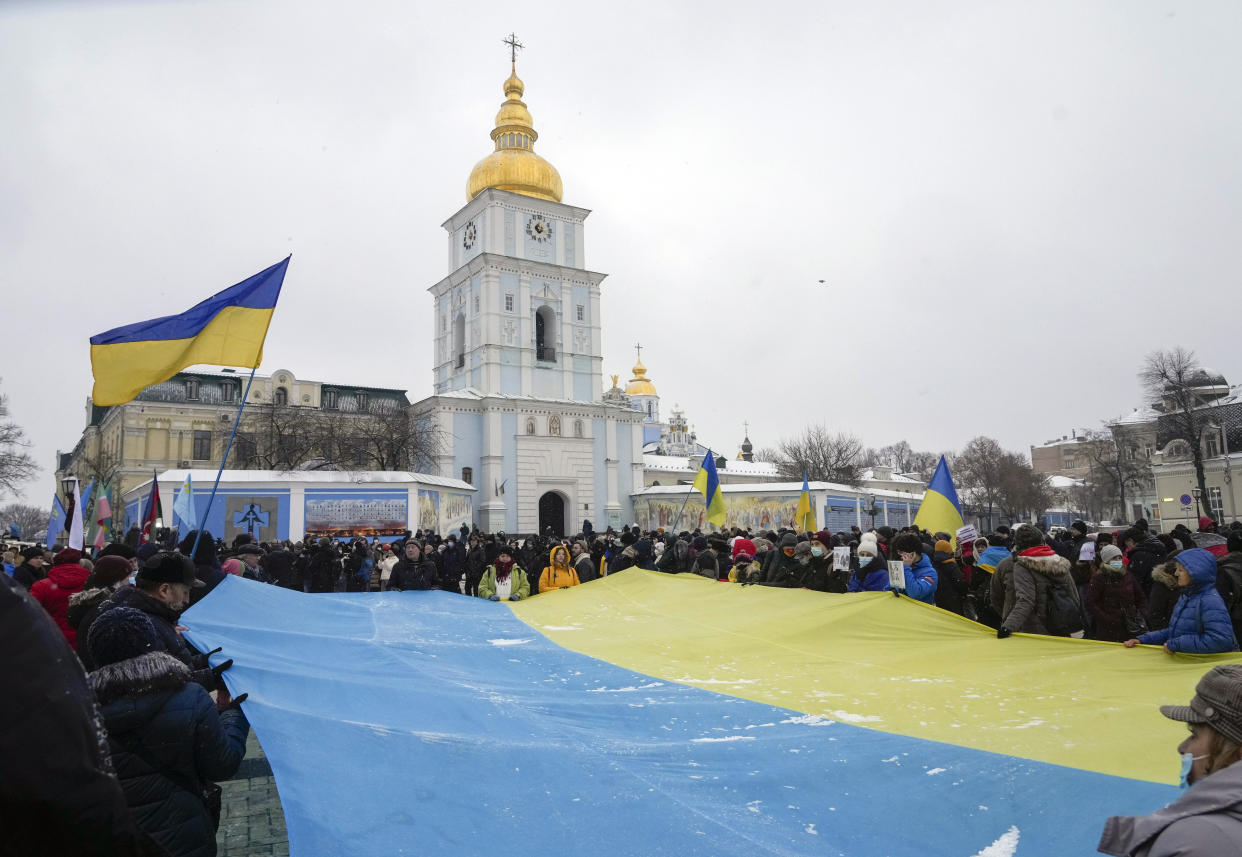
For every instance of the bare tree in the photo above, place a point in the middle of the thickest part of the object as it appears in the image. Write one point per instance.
(822, 455)
(1115, 467)
(981, 468)
(1171, 380)
(1021, 488)
(31, 520)
(903, 459)
(16, 465)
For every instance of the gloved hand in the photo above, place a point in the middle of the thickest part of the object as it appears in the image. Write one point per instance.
(236, 702)
(896, 593)
(202, 662)
(217, 670)
(514, 598)
(1002, 633)
(494, 598)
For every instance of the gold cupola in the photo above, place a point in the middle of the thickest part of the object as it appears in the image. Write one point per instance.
(514, 166)
(640, 384)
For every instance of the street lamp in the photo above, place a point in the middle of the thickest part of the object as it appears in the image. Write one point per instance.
(1196, 493)
(66, 485)
(871, 510)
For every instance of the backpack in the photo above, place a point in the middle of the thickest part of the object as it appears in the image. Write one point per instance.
(1063, 611)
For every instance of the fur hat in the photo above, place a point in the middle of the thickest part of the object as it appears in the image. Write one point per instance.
(250, 549)
(120, 634)
(1109, 552)
(1080, 526)
(68, 556)
(867, 544)
(1027, 537)
(108, 570)
(32, 552)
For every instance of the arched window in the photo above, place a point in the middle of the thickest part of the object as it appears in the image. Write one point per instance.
(578, 428)
(530, 426)
(459, 340)
(554, 425)
(281, 396)
(545, 334)
(649, 410)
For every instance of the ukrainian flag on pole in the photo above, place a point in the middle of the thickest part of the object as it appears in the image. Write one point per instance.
(227, 329)
(708, 483)
(804, 515)
(940, 510)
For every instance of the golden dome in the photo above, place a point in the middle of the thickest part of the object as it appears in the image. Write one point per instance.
(514, 166)
(640, 384)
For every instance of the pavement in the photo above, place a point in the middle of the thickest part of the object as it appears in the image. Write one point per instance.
(252, 822)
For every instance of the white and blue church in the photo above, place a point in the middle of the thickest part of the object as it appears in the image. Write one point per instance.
(519, 402)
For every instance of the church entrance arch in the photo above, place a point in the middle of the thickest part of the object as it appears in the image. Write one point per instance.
(552, 513)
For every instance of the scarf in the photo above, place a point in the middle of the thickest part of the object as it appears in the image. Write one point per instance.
(1038, 550)
(503, 569)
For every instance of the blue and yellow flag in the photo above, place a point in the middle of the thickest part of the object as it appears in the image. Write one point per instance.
(940, 510)
(708, 483)
(227, 329)
(804, 515)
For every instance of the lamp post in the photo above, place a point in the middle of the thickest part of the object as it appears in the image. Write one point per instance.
(1196, 493)
(871, 509)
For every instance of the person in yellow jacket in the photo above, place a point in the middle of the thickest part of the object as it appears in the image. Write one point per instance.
(558, 574)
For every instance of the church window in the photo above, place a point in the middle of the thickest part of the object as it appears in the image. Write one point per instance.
(530, 426)
(467, 475)
(545, 339)
(509, 302)
(554, 425)
(459, 340)
(581, 312)
(649, 409)
(329, 399)
(578, 428)
(281, 396)
(191, 389)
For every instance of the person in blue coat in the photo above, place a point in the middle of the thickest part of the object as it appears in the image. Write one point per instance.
(872, 572)
(1200, 623)
(921, 576)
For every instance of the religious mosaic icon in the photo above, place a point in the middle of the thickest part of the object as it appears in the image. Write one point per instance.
(468, 235)
(539, 229)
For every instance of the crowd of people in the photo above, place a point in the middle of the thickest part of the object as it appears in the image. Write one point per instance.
(168, 728)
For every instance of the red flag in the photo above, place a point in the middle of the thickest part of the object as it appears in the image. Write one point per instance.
(153, 512)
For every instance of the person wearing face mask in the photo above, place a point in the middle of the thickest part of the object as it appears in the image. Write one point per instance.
(822, 577)
(783, 568)
(1206, 821)
(504, 579)
(1200, 623)
(1115, 599)
(872, 572)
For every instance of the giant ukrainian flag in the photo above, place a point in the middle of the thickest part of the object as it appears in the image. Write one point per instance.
(227, 329)
(708, 483)
(652, 714)
(940, 510)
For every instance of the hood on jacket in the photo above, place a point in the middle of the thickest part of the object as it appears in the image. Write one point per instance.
(1201, 565)
(153, 672)
(1051, 566)
(68, 575)
(1161, 574)
(564, 553)
(1215, 794)
(89, 597)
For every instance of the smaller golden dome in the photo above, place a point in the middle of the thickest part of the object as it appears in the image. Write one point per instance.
(640, 384)
(514, 166)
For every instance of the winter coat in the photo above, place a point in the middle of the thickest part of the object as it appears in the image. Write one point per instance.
(57, 791)
(476, 564)
(324, 569)
(1163, 596)
(1110, 596)
(1200, 623)
(27, 575)
(279, 564)
(53, 593)
(84, 608)
(784, 571)
(556, 576)
(872, 577)
(951, 588)
(163, 617)
(1206, 821)
(520, 587)
(161, 723)
(922, 580)
(413, 574)
(1020, 588)
(823, 577)
(676, 558)
(1145, 556)
(585, 568)
(452, 566)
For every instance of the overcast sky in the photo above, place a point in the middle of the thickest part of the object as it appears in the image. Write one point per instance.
(1009, 203)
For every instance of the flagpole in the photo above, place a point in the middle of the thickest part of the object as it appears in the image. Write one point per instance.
(202, 521)
(687, 500)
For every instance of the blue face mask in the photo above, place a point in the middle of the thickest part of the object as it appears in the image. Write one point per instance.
(1116, 564)
(1188, 762)
(817, 551)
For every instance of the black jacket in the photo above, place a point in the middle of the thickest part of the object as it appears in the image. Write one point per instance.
(279, 564)
(324, 569)
(27, 575)
(57, 792)
(413, 574)
(165, 734)
(165, 620)
(1143, 557)
(951, 588)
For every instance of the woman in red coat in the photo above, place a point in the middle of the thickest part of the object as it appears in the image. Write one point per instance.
(63, 580)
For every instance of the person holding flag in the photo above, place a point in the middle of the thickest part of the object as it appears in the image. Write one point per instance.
(707, 482)
(804, 515)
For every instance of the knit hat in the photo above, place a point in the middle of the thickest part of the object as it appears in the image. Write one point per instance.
(1080, 526)
(32, 552)
(741, 546)
(789, 540)
(145, 552)
(1109, 552)
(68, 556)
(802, 549)
(108, 571)
(1027, 537)
(867, 544)
(232, 565)
(1217, 702)
(120, 634)
(944, 547)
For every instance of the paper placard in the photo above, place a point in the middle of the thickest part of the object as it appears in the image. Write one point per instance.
(967, 534)
(896, 574)
(841, 559)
